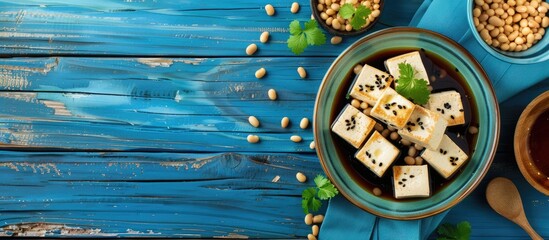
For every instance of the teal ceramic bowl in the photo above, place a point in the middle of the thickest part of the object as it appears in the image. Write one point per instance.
(536, 54)
(484, 100)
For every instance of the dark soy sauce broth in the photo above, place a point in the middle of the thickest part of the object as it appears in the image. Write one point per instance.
(539, 147)
(446, 77)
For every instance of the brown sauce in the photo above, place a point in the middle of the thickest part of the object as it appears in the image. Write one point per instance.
(447, 78)
(539, 146)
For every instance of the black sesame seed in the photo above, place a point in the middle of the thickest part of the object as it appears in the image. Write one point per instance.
(454, 164)
(394, 112)
(452, 116)
(447, 106)
(412, 176)
(461, 110)
(380, 164)
(404, 179)
(399, 183)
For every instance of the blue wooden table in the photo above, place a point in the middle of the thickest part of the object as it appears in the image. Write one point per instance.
(128, 118)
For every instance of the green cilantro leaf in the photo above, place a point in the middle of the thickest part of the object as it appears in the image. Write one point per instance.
(320, 181)
(327, 192)
(357, 15)
(326, 189)
(406, 70)
(450, 232)
(297, 43)
(300, 38)
(309, 200)
(313, 33)
(295, 28)
(410, 87)
(346, 11)
(361, 14)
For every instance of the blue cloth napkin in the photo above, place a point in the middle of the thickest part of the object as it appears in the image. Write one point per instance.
(346, 221)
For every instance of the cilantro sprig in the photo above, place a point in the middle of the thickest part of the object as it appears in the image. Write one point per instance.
(300, 38)
(410, 87)
(357, 15)
(310, 197)
(462, 231)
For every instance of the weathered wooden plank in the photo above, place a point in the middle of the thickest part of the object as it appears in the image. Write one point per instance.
(154, 194)
(181, 104)
(180, 28)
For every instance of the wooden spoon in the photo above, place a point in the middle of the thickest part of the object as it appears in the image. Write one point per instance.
(503, 196)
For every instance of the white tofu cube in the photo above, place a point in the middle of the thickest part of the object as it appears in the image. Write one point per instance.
(412, 58)
(377, 154)
(447, 158)
(449, 105)
(424, 127)
(353, 125)
(369, 84)
(411, 181)
(392, 108)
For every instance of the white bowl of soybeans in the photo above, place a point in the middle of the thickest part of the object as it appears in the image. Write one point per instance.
(511, 30)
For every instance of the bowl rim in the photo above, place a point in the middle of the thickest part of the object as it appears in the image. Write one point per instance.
(505, 55)
(325, 26)
(490, 156)
(525, 122)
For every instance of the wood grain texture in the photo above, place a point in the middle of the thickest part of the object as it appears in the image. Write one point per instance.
(188, 105)
(155, 194)
(129, 119)
(153, 28)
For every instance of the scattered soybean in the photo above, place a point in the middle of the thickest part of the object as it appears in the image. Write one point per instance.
(251, 49)
(284, 122)
(264, 37)
(296, 138)
(260, 73)
(269, 9)
(253, 121)
(304, 123)
(253, 138)
(295, 7)
(301, 177)
(309, 219)
(272, 94)
(302, 73)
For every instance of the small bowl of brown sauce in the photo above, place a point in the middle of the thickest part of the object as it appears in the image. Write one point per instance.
(532, 143)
